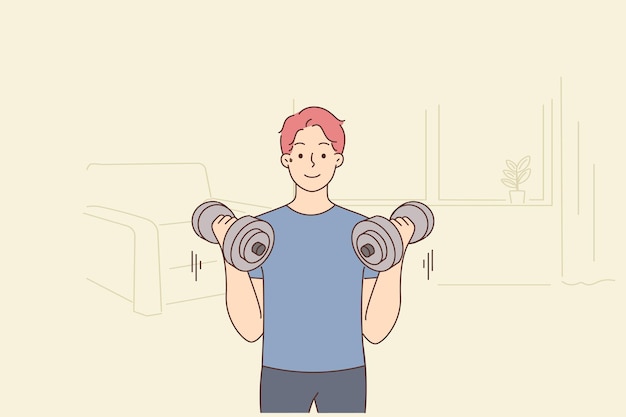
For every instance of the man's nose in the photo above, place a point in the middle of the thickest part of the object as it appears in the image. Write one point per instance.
(312, 161)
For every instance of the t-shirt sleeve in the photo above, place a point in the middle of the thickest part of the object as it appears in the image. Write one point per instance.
(369, 273)
(256, 273)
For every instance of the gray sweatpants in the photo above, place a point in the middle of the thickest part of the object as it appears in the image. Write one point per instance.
(341, 391)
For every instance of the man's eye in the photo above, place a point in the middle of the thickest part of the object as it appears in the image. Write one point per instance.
(323, 155)
(300, 155)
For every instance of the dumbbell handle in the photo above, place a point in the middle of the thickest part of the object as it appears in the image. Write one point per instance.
(378, 242)
(367, 250)
(247, 242)
(423, 224)
(258, 248)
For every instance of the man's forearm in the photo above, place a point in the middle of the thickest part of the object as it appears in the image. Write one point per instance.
(242, 304)
(383, 307)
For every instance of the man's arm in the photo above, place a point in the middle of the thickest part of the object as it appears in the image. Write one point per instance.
(244, 296)
(381, 304)
(381, 296)
(244, 303)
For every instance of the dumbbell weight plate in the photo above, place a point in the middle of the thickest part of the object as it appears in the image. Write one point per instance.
(385, 240)
(254, 243)
(203, 217)
(371, 246)
(245, 241)
(421, 216)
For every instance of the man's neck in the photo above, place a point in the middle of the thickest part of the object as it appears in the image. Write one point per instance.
(311, 202)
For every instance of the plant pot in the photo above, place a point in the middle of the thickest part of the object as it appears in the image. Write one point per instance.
(517, 196)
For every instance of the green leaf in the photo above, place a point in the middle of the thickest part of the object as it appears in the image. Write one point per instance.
(523, 176)
(509, 183)
(511, 165)
(509, 174)
(523, 163)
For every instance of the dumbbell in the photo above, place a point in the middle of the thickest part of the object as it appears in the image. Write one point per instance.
(248, 242)
(377, 242)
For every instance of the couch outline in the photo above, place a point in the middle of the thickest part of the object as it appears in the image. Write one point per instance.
(147, 274)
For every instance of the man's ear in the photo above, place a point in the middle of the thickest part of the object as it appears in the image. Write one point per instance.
(339, 160)
(285, 159)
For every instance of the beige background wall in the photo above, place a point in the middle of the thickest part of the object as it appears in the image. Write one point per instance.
(462, 85)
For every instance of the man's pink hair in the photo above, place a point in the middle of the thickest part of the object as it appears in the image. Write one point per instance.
(312, 116)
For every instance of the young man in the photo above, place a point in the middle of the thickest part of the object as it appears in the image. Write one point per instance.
(312, 300)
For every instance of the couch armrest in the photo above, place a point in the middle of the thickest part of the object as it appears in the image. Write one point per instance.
(147, 298)
(239, 208)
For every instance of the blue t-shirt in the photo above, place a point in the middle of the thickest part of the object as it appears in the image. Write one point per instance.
(312, 284)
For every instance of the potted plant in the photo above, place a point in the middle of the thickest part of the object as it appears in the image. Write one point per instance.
(515, 175)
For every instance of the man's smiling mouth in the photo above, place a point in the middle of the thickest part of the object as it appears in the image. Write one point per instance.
(313, 176)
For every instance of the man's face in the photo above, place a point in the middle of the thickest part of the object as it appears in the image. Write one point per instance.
(313, 160)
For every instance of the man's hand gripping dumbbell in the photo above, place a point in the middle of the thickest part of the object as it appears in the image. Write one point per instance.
(246, 242)
(378, 242)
